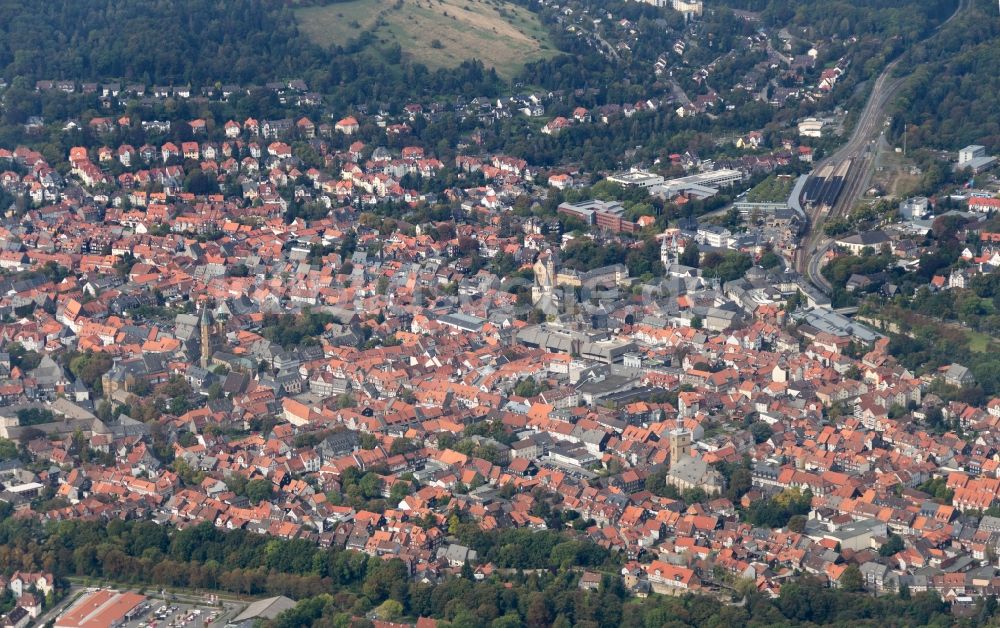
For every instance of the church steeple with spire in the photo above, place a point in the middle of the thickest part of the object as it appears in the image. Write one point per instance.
(669, 250)
(206, 336)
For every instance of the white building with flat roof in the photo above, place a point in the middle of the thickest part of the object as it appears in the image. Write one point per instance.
(690, 8)
(636, 179)
(971, 152)
(700, 185)
(811, 127)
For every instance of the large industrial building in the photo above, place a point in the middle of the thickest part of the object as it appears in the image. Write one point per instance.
(103, 608)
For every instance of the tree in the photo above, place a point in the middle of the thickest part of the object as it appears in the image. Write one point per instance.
(761, 431)
(34, 416)
(935, 418)
(851, 579)
(346, 401)
(385, 579)
(539, 614)
(938, 489)
(740, 481)
(770, 260)
(90, 366)
(370, 485)
(401, 445)
(690, 256)
(528, 387)
(215, 391)
(793, 302)
(200, 183)
(510, 620)
(398, 492)
(22, 358)
(238, 270)
(797, 524)
(727, 267)
(892, 546)
(259, 490)
(8, 449)
(179, 405)
(187, 473)
(389, 610)
(777, 511)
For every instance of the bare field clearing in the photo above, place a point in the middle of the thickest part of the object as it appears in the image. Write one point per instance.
(438, 33)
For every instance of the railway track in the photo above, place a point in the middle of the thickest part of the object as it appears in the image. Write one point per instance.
(840, 180)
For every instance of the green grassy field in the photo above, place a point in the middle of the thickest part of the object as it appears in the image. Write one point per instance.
(438, 33)
(979, 342)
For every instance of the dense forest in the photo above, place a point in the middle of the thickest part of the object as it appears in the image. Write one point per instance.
(846, 18)
(951, 100)
(204, 43)
(335, 585)
(163, 41)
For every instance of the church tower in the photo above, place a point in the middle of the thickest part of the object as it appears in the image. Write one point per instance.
(680, 444)
(669, 249)
(545, 277)
(206, 337)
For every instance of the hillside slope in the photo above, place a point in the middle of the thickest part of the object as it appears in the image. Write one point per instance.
(442, 33)
(952, 99)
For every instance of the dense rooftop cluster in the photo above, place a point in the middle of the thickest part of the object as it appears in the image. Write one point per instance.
(189, 351)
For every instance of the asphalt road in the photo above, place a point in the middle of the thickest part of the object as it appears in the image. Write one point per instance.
(861, 149)
(55, 611)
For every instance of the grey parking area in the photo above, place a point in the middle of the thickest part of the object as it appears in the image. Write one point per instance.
(172, 613)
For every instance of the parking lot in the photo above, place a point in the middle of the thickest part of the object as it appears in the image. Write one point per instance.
(177, 614)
